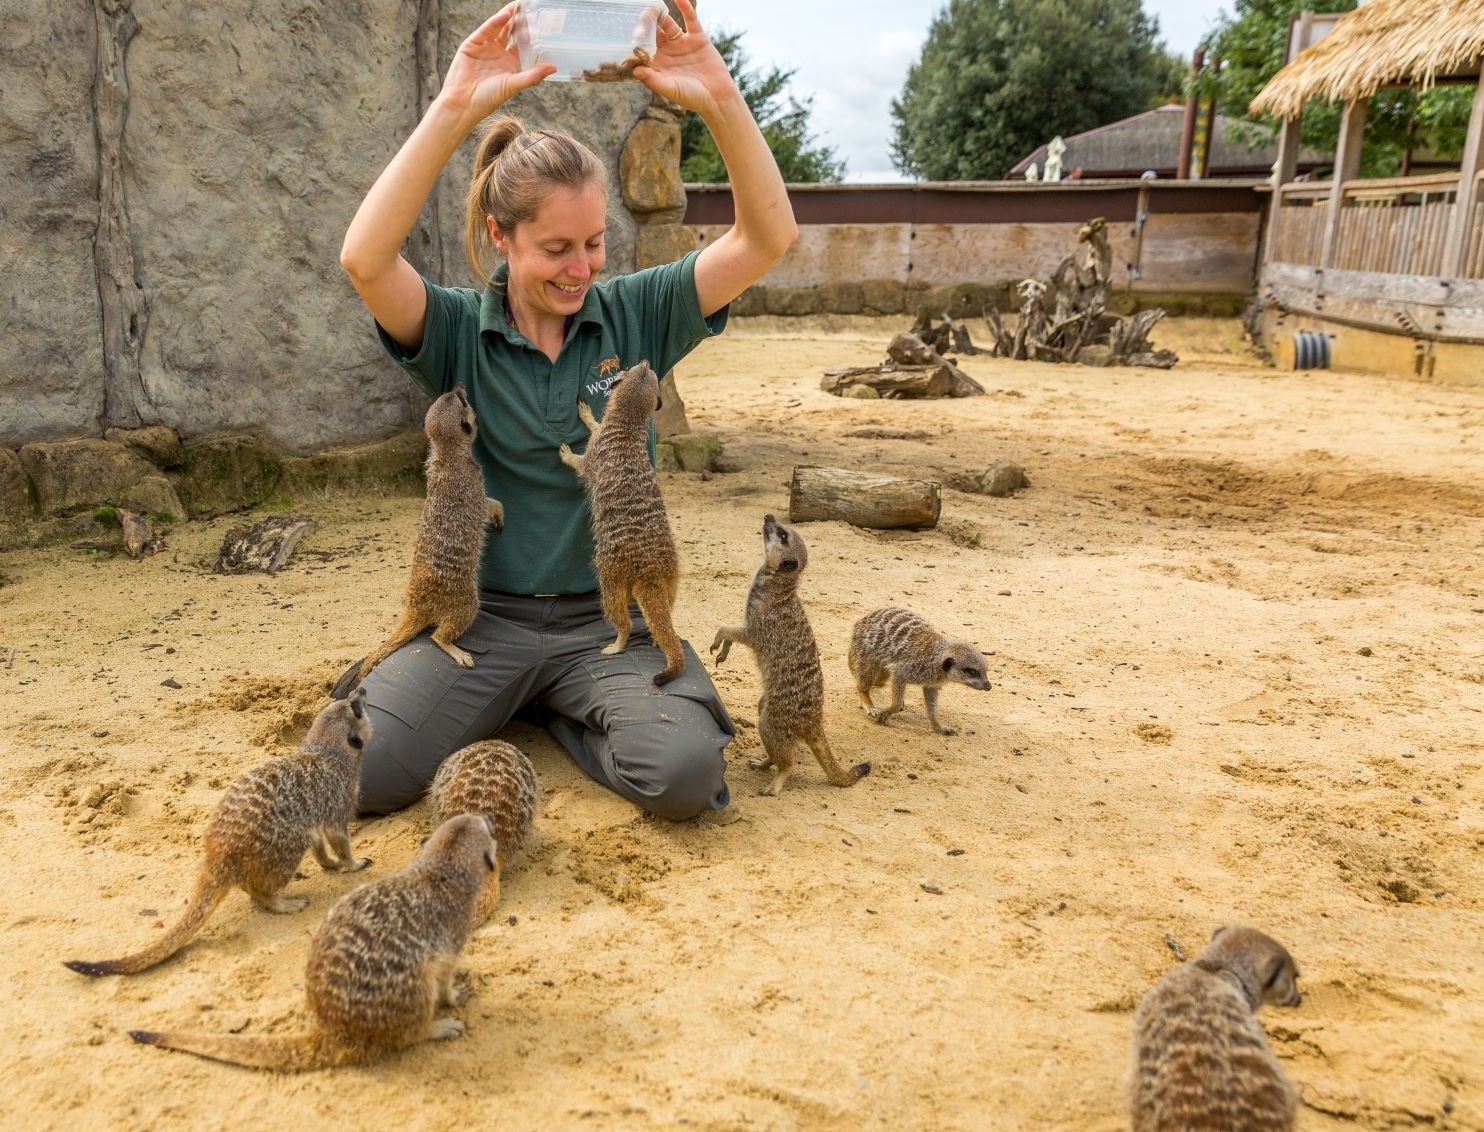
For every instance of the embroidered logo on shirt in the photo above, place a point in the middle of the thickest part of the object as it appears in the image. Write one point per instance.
(608, 368)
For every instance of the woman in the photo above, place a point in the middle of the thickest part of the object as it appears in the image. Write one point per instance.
(541, 334)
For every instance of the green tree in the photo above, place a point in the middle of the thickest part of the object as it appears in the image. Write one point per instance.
(784, 120)
(1250, 45)
(997, 78)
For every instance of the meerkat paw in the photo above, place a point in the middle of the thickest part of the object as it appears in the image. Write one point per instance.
(723, 643)
(283, 905)
(881, 715)
(357, 865)
(457, 995)
(760, 764)
(615, 648)
(775, 787)
(494, 514)
(946, 730)
(460, 657)
(444, 1028)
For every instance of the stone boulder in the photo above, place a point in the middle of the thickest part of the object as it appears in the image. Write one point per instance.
(74, 475)
(227, 473)
(16, 509)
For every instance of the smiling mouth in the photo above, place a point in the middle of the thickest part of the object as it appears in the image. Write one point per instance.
(571, 292)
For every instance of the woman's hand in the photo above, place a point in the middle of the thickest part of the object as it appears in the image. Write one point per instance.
(687, 67)
(485, 71)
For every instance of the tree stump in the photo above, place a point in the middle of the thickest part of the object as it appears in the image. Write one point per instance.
(861, 499)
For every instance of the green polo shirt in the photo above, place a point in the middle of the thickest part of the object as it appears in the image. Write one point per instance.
(526, 405)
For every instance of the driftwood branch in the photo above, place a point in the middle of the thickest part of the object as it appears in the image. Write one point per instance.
(913, 369)
(1065, 318)
(862, 499)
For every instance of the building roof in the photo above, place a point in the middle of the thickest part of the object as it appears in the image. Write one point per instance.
(1151, 141)
(1382, 43)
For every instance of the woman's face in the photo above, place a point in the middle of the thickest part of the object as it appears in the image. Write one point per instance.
(555, 255)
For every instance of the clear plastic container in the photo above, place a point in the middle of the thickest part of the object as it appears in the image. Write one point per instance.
(588, 40)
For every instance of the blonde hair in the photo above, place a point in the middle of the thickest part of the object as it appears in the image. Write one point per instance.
(514, 173)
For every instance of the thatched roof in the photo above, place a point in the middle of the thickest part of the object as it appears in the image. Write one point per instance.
(1381, 43)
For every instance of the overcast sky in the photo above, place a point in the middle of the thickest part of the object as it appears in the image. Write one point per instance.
(852, 57)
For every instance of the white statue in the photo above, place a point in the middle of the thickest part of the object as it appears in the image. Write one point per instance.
(1032, 173)
(1054, 149)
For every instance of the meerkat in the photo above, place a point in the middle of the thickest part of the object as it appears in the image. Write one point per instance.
(264, 822)
(776, 629)
(493, 778)
(442, 590)
(1201, 1059)
(634, 551)
(896, 644)
(379, 966)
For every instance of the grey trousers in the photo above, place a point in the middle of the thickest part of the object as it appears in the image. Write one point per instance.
(661, 748)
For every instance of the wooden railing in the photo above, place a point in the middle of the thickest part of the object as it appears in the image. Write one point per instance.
(1395, 225)
(1473, 262)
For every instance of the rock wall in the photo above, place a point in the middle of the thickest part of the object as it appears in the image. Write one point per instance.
(178, 179)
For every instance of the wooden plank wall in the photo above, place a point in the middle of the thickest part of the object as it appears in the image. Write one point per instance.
(1187, 252)
(1424, 306)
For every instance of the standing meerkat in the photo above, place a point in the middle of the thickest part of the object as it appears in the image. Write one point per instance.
(896, 644)
(1201, 1059)
(379, 966)
(493, 778)
(442, 590)
(776, 629)
(264, 822)
(634, 551)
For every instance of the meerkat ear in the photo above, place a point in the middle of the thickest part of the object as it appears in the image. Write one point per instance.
(489, 860)
(356, 741)
(948, 664)
(1217, 933)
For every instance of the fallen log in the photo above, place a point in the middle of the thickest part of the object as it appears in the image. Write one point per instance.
(896, 382)
(861, 499)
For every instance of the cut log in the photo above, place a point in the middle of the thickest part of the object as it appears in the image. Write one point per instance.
(861, 499)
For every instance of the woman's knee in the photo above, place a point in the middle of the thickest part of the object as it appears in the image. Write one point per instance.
(688, 779)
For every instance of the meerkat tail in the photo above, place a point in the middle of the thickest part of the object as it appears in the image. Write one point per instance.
(837, 774)
(655, 600)
(406, 631)
(295, 1054)
(209, 893)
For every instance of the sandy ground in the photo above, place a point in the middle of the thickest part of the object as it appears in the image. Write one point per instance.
(1236, 633)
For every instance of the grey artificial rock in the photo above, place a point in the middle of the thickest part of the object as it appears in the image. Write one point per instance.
(153, 495)
(396, 462)
(16, 508)
(695, 453)
(156, 443)
(669, 419)
(227, 473)
(181, 195)
(73, 475)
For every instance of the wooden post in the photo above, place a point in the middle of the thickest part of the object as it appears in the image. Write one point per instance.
(1347, 165)
(1461, 225)
(1187, 124)
(1285, 169)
